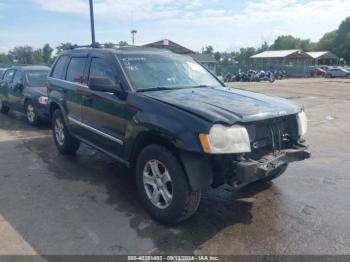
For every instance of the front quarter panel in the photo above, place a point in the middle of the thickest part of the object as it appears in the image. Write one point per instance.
(180, 128)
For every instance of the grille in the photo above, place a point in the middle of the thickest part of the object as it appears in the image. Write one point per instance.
(273, 134)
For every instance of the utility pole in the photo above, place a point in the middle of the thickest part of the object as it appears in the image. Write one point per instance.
(133, 33)
(92, 23)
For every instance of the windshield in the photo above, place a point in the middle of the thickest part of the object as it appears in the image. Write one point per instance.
(36, 78)
(167, 70)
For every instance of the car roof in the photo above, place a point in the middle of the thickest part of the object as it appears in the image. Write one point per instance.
(30, 67)
(119, 50)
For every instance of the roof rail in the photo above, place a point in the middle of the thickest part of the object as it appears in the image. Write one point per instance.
(98, 45)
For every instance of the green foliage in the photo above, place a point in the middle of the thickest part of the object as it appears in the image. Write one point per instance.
(26, 55)
(208, 50)
(47, 54)
(286, 42)
(342, 40)
(327, 41)
(4, 59)
(64, 46)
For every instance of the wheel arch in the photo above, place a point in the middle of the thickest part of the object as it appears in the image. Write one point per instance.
(196, 167)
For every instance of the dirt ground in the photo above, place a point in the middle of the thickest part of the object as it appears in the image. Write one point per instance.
(87, 204)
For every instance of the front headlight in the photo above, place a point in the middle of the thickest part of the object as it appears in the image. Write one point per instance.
(302, 123)
(43, 100)
(226, 140)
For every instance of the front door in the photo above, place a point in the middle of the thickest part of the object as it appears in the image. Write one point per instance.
(16, 91)
(105, 114)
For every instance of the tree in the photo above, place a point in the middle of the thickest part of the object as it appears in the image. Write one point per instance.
(47, 54)
(4, 59)
(26, 55)
(208, 50)
(64, 46)
(342, 40)
(327, 41)
(123, 43)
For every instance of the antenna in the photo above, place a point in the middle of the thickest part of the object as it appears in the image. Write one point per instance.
(92, 23)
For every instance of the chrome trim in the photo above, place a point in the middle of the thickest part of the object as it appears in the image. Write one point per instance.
(114, 139)
(65, 81)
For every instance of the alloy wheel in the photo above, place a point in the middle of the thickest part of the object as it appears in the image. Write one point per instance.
(59, 131)
(30, 113)
(158, 184)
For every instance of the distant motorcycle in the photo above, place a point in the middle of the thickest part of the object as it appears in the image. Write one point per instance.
(264, 76)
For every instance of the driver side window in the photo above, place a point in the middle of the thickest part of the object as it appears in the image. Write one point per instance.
(100, 69)
(17, 79)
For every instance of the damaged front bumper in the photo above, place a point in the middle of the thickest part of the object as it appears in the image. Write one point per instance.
(249, 170)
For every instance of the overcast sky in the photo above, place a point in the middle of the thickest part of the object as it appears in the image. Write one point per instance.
(225, 24)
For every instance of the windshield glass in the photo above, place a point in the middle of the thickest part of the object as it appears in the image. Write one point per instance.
(166, 70)
(36, 78)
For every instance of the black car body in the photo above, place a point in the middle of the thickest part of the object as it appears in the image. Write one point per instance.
(23, 89)
(168, 118)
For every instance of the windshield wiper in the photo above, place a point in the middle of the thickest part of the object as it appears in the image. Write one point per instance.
(161, 88)
(158, 88)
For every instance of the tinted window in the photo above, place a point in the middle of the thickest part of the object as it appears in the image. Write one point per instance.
(36, 78)
(58, 71)
(99, 68)
(1, 73)
(75, 71)
(9, 75)
(18, 78)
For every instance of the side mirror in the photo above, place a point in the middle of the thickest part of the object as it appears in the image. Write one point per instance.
(103, 84)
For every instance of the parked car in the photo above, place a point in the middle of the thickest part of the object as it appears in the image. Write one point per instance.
(2, 71)
(23, 88)
(337, 72)
(171, 121)
(316, 71)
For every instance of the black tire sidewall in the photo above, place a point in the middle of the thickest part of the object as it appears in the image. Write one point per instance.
(70, 144)
(181, 189)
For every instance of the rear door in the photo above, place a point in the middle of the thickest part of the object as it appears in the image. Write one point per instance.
(105, 114)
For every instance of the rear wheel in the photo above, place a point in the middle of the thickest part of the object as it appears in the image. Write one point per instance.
(163, 186)
(31, 113)
(65, 143)
(3, 109)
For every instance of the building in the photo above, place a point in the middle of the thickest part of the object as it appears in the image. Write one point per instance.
(323, 58)
(206, 60)
(295, 62)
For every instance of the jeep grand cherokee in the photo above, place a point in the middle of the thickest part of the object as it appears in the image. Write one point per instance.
(174, 123)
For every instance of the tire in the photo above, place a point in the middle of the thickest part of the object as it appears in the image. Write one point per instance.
(182, 200)
(31, 113)
(65, 143)
(3, 109)
(275, 174)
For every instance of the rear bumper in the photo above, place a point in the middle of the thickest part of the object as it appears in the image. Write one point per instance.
(249, 170)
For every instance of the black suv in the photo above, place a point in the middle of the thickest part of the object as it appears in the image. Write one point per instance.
(23, 89)
(174, 123)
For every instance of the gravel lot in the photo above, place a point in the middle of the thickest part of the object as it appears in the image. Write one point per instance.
(87, 204)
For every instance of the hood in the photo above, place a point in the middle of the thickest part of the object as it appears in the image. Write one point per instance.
(226, 105)
(39, 91)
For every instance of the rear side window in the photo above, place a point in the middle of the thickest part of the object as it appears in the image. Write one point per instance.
(100, 69)
(75, 71)
(58, 71)
(9, 75)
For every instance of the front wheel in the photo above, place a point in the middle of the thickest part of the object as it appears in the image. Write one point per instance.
(3, 109)
(65, 143)
(31, 113)
(163, 186)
